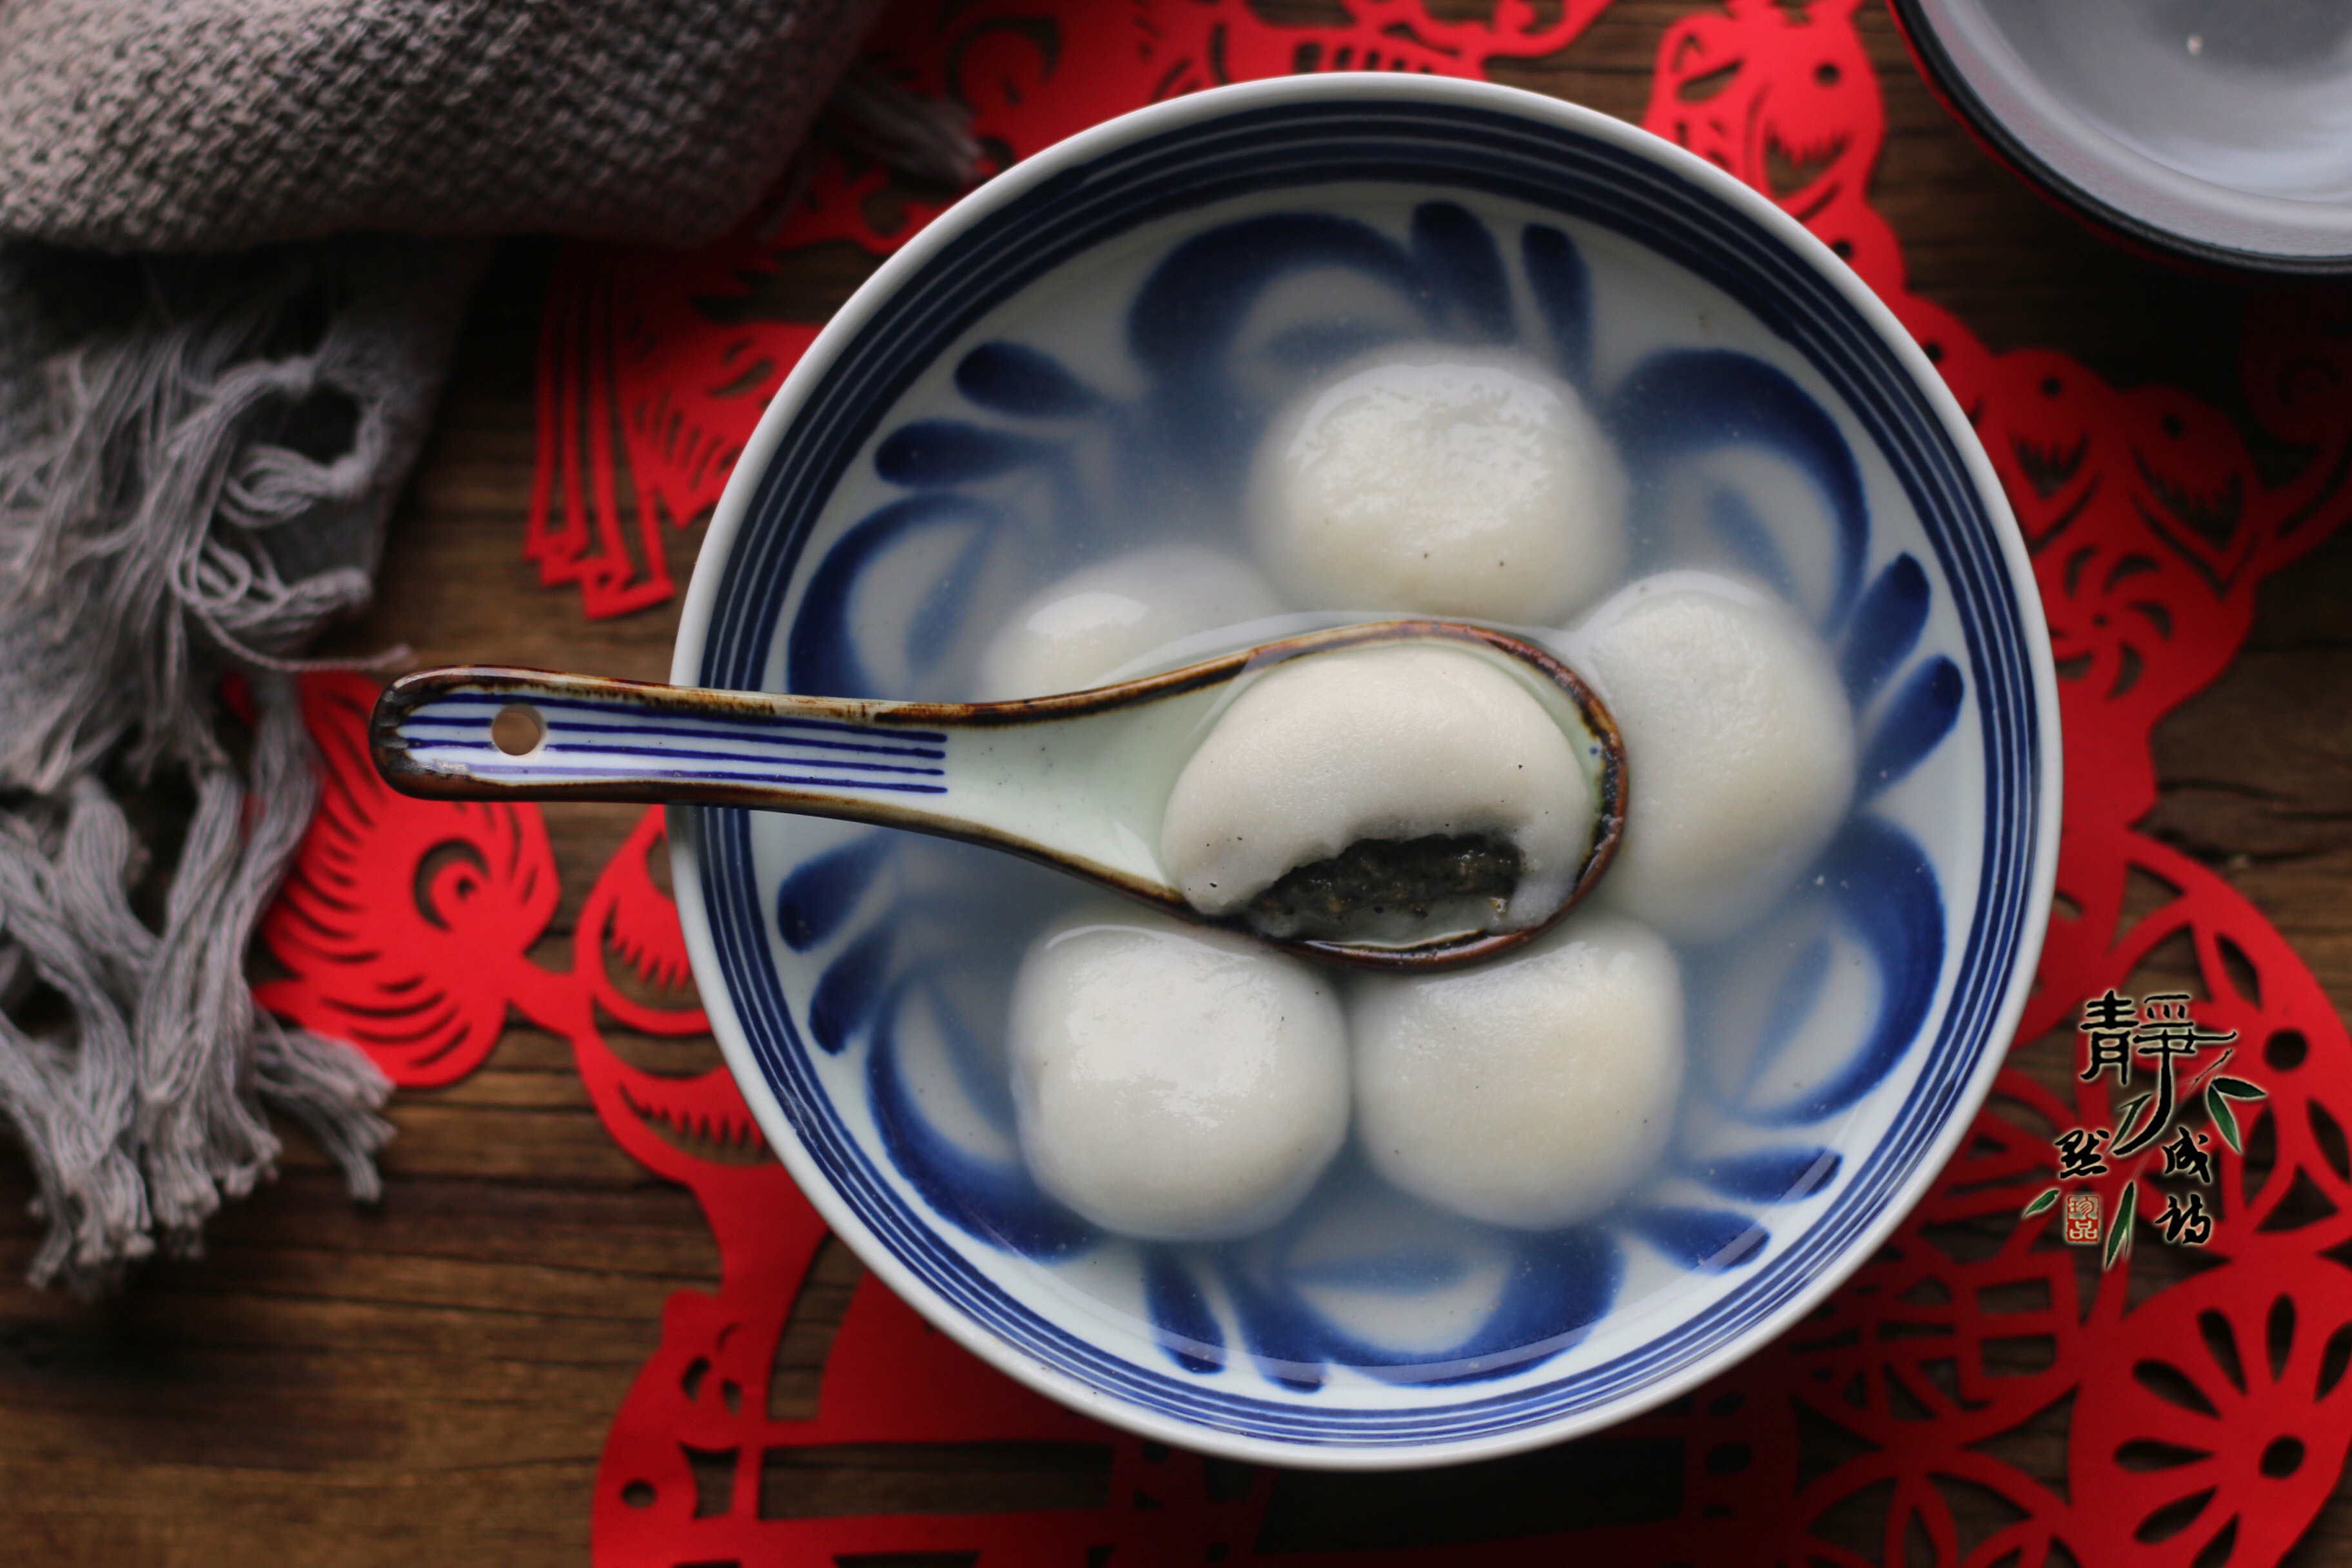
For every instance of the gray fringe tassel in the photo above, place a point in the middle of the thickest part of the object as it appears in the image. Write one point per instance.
(196, 459)
(190, 486)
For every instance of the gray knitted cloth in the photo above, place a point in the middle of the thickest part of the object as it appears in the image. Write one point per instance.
(198, 455)
(217, 124)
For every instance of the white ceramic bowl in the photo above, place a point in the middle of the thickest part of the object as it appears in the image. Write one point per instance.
(1075, 359)
(2216, 130)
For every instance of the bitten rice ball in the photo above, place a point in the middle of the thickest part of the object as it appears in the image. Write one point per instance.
(1072, 635)
(1533, 1092)
(1740, 748)
(1445, 482)
(1395, 741)
(1173, 1083)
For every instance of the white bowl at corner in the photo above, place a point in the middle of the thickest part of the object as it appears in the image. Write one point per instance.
(851, 553)
(2220, 130)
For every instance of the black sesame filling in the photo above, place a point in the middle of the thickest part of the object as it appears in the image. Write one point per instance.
(1388, 889)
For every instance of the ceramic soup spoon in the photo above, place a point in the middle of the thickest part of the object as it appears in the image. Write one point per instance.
(1080, 782)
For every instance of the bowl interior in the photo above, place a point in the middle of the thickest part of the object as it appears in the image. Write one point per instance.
(1080, 367)
(2255, 95)
(2214, 129)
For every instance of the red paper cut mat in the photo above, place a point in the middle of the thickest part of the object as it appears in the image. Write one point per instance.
(2207, 1424)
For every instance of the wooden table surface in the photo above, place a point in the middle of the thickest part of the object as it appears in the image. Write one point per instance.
(431, 1380)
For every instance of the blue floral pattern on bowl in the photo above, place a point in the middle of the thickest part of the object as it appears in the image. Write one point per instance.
(1835, 1037)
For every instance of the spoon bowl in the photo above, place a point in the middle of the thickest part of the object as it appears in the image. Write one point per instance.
(1078, 782)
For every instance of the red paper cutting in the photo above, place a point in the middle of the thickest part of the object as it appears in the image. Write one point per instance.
(2204, 1425)
(403, 921)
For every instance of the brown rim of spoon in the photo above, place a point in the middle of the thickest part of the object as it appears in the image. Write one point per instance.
(402, 702)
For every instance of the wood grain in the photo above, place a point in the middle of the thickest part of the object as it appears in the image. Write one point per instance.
(431, 1380)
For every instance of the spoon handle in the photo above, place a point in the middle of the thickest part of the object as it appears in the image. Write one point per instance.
(490, 733)
(1078, 780)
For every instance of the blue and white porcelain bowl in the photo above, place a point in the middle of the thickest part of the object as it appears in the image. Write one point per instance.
(1076, 361)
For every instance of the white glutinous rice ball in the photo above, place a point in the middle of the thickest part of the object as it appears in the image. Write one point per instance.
(1446, 482)
(1740, 748)
(1532, 1091)
(1174, 1083)
(1073, 633)
(1396, 740)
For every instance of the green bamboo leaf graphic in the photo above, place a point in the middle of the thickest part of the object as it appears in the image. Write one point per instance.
(2120, 1234)
(2239, 1089)
(2043, 1202)
(2130, 1114)
(2225, 1120)
(2216, 1065)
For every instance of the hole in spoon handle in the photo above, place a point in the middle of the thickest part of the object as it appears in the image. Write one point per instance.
(518, 730)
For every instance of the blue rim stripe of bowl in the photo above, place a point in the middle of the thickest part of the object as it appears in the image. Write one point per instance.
(1332, 142)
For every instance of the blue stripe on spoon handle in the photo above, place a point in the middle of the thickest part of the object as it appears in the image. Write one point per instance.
(603, 736)
(1084, 797)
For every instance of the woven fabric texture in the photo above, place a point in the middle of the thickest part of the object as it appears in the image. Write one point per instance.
(220, 124)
